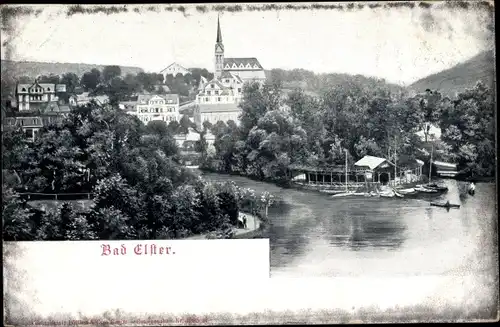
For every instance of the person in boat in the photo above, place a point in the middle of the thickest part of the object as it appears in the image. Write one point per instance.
(472, 187)
(447, 204)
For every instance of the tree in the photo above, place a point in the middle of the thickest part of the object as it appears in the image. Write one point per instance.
(110, 72)
(173, 127)
(90, 80)
(185, 123)
(53, 79)
(468, 127)
(71, 81)
(16, 217)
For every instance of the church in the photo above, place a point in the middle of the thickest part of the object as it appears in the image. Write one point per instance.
(218, 99)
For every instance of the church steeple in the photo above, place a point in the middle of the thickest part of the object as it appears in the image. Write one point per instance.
(219, 51)
(219, 34)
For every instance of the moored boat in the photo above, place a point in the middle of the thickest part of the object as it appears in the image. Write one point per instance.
(423, 189)
(436, 187)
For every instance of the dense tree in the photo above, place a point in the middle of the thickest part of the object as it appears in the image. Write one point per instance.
(54, 79)
(468, 127)
(91, 80)
(110, 72)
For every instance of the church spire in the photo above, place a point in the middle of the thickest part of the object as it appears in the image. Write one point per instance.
(219, 34)
(219, 51)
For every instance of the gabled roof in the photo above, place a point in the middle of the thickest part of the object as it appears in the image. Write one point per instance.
(370, 162)
(146, 97)
(228, 74)
(218, 83)
(173, 64)
(238, 61)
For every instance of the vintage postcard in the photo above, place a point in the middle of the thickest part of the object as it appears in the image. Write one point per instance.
(249, 163)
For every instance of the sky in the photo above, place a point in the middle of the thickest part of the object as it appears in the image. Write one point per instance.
(400, 45)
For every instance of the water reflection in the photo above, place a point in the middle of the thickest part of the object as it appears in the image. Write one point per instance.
(314, 235)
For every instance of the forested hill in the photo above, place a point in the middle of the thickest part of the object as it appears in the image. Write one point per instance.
(316, 84)
(462, 76)
(34, 69)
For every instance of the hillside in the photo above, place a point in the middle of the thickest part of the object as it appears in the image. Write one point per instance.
(315, 84)
(33, 69)
(462, 76)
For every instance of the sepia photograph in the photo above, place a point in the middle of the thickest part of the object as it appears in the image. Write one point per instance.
(338, 157)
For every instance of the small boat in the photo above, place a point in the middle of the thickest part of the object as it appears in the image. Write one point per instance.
(445, 205)
(332, 191)
(425, 190)
(387, 194)
(436, 187)
(342, 194)
(348, 194)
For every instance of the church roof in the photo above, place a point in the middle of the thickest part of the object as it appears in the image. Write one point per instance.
(244, 61)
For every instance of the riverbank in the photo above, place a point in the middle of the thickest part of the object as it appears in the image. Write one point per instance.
(253, 227)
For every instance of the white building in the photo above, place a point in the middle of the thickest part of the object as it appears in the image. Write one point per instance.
(158, 107)
(85, 98)
(174, 69)
(35, 95)
(217, 112)
(227, 89)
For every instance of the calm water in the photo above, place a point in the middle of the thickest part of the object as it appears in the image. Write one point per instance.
(313, 235)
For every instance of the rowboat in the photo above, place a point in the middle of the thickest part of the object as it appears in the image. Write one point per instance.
(423, 189)
(408, 191)
(436, 187)
(348, 194)
(445, 205)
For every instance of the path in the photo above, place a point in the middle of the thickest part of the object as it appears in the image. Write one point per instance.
(253, 224)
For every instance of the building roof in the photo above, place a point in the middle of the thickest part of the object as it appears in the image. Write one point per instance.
(43, 85)
(444, 164)
(142, 98)
(226, 107)
(173, 64)
(228, 74)
(370, 162)
(239, 61)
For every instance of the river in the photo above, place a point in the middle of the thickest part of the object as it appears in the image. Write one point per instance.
(313, 235)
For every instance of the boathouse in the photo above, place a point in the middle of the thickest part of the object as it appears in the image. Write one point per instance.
(368, 170)
(445, 169)
(383, 171)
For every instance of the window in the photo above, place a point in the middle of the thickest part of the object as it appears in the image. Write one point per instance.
(216, 92)
(23, 90)
(206, 99)
(218, 99)
(22, 122)
(209, 93)
(227, 81)
(212, 86)
(48, 89)
(157, 110)
(239, 89)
